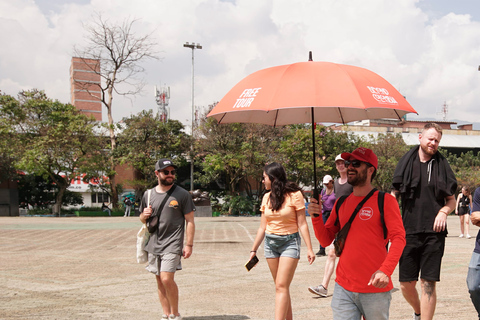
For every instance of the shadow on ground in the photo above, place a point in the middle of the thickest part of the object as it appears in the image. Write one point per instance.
(223, 317)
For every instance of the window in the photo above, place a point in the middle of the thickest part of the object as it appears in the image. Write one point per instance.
(100, 197)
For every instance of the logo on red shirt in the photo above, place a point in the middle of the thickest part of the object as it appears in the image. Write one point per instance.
(366, 213)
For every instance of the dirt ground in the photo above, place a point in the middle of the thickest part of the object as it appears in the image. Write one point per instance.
(85, 268)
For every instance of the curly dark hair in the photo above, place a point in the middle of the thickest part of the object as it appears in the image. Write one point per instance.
(280, 186)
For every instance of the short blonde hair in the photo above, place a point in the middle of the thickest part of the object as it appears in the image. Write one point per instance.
(433, 125)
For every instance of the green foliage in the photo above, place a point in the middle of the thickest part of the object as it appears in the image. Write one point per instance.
(389, 148)
(143, 139)
(233, 155)
(238, 205)
(39, 192)
(236, 153)
(52, 140)
(466, 168)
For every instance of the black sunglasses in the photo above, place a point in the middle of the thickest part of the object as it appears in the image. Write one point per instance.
(356, 163)
(166, 172)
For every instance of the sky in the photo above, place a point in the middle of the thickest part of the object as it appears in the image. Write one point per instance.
(428, 49)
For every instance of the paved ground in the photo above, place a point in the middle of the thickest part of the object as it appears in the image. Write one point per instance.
(85, 268)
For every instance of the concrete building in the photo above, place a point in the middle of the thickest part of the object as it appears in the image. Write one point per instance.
(457, 141)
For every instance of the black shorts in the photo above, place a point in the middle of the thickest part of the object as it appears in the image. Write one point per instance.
(423, 253)
(463, 210)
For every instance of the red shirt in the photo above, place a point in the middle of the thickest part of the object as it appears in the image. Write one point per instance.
(364, 252)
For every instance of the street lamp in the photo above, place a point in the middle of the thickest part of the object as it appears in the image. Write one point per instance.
(192, 46)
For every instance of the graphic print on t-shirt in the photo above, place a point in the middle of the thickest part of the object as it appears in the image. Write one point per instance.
(366, 213)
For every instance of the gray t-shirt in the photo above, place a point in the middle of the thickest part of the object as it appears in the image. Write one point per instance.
(342, 189)
(171, 228)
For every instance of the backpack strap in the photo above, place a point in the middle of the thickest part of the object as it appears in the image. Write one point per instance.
(338, 204)
(381, 206)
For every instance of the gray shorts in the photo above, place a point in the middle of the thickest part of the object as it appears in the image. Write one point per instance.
(166, 262)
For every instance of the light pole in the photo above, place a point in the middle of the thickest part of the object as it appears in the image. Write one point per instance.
(192, 46)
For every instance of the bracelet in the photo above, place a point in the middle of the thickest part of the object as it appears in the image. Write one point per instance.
(444, 212)
(189, 245)
(253, 251)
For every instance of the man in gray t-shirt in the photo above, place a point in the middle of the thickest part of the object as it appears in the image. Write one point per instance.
(166, 245)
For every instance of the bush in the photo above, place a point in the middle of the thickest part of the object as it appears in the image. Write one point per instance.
(39, 211)
(238, 205)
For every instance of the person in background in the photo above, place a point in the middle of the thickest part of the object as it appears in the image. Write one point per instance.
(427, 187)
(462, 209)
(128, 206)
(341, 188)
(473, 276)
(363, 283)
(327, 197)
(283, 216)
(105, 208)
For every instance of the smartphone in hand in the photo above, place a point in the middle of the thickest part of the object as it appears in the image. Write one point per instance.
(251, 263)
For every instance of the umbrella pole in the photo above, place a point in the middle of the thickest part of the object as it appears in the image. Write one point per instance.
(315, 190)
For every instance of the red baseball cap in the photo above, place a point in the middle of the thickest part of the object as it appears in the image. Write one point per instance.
(362, 154)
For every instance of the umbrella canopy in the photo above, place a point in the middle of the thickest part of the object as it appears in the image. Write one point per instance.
(310, 92)
(285, 94)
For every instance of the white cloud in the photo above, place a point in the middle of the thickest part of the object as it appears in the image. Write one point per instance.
(429, 58)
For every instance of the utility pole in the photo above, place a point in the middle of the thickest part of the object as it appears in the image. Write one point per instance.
(192, 46)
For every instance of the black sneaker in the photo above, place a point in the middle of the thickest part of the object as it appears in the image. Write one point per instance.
(321, 253)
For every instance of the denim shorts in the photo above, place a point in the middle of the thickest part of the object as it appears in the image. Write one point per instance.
(282, 246)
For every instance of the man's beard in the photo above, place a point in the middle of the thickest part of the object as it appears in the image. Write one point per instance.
(359, 179)
(427, 151)
(165, 182)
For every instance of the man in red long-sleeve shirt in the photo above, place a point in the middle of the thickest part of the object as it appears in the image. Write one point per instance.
(363, 282)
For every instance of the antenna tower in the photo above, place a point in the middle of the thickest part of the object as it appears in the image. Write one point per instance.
(444, 110)
(162, 96)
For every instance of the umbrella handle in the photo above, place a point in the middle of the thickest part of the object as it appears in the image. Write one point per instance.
(315, 196)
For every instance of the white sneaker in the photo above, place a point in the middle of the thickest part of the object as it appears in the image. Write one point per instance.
(319, 290)
(461, 236)
(174, 317)
(164, 316)
(415, 317)
(468, 236)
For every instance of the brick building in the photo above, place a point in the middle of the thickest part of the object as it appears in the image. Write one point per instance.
(85, 84)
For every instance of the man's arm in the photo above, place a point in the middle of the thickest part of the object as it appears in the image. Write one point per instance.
(441, 219)
(190, 232)
(475, 218)
(324, 233)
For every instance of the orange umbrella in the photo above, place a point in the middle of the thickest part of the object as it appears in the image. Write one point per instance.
(310, 92)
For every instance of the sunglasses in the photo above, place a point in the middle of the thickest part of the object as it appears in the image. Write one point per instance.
(355, 163)
(166, 172)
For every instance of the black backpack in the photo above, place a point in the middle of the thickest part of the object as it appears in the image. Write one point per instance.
(381, 201)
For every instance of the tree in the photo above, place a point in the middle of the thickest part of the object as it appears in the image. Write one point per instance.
(39, 192)
(466, 168)
(296, 152)
(7, 148)
(389, 148)
(235, 153)
(144, 138)
(51, 139)
(119, 52)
